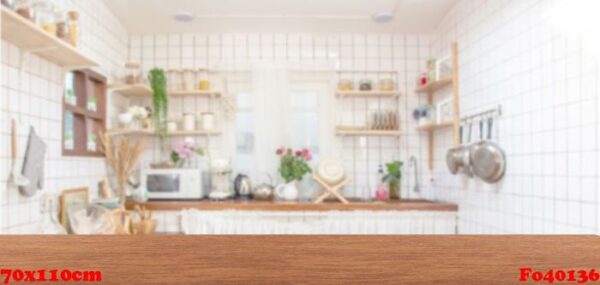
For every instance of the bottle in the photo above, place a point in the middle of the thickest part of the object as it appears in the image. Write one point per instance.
(74, 28)
(48, 224)
(381, 192)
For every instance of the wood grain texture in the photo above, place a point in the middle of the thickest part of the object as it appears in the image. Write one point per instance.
(401, 205)
(302, 259)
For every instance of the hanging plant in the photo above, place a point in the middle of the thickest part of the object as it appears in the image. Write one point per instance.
(160, 102)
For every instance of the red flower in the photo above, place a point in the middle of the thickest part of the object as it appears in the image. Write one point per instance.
(279, 151)
(299, 153)
(308, 157)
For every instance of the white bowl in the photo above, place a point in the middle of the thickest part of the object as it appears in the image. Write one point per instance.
(125, 118)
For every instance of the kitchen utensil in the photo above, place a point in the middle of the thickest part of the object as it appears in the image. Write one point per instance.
(475, 146)
(33, 164)
(489, 161)
(264, 191)
(465, 155)
(242, 186)
(287, 191)
(16, 178)
(452, 156)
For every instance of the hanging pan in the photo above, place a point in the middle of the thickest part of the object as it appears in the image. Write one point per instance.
(488, 159)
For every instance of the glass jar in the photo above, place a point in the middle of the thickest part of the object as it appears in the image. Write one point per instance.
(26, 8)
(365, 85)
(189, 122)
(74, 28)
(387, 84)
(345, 85)
(188, 77)
(174, 79)
(46, 17)
(208, 121)
(133, 73)
(203, 82)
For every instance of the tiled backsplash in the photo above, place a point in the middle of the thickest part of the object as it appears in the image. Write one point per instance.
(512, 54)
(36, 100)
(404, 53)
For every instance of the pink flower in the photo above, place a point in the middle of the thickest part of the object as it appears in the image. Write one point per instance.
(298, 153)
(279, 151)
(308, 157)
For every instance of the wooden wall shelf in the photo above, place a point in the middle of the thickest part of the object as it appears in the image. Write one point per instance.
(434, 86)
(431, 88)
(31, 38)
(436, 126)
(198, 93)
(395, 205)
(132, 90)
(368, 133)
(124, 132)
(367, 94)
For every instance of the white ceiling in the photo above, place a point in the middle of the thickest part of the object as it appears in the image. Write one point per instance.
(411, 16)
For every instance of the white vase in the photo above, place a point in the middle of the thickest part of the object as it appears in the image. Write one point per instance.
(287, 191)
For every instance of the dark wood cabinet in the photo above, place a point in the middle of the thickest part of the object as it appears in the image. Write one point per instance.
(84, 113)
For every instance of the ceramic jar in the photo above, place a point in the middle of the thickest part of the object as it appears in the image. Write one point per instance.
(189, 122)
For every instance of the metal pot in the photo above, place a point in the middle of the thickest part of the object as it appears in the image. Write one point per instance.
(489, 160)
(264, 191)
(242, 186)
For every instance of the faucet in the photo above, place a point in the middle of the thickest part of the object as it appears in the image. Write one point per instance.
(412, 162)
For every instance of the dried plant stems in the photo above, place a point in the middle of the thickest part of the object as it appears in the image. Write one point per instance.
(122, 159)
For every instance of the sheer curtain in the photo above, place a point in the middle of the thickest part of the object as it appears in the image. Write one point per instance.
(270, 84)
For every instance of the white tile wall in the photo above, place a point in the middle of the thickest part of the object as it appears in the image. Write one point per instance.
(512, 54)
(35, 99)
(403, 53)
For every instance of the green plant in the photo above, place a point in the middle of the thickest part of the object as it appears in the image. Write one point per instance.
(294, 165)
(393, 177)
(160, 101)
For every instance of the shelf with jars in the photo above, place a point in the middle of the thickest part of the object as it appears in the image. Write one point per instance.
(39, 28)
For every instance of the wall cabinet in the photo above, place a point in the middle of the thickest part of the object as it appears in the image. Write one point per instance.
(84, 113)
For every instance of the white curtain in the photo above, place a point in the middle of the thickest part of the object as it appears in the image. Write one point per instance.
(270, 83)
(326, 222)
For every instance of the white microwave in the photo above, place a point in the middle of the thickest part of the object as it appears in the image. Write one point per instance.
(173, 183)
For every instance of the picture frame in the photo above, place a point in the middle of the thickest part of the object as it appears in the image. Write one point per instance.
(444, 110)
(72, 200)
(443, 67)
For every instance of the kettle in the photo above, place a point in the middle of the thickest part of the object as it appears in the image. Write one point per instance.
(242, 186)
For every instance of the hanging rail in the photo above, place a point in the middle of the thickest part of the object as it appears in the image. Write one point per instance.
(495, 112)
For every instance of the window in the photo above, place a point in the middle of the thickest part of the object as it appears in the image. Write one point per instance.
(245, 135)
(305, 121)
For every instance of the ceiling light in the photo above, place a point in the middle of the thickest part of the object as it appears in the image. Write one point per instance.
(183, 17)
(382, 17)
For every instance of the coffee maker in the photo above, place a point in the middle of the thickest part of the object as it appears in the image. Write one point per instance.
(220, 177)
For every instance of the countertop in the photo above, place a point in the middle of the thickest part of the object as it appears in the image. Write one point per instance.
(389, 259)
(253, 205)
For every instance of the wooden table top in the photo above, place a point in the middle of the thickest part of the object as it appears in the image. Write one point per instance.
(253, 205)
(303, 259)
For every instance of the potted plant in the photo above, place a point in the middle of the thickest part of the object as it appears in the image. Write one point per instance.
(160, 103)
(293, 166)
(183, 153)
(393, 177)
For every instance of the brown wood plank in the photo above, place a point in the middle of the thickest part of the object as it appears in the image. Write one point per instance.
(402, 205)
(302, 259)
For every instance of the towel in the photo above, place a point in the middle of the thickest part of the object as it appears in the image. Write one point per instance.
(33, 164)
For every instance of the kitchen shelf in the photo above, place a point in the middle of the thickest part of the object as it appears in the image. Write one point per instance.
(199, 93)
(31, 38)
(430, 88)
(366, 94)
(174, 134)
(368, 132)
(252, 205)
(132, 90)
(436, 126)
(434, 86)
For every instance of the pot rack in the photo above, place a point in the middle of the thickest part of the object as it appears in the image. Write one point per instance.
(490, 113)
